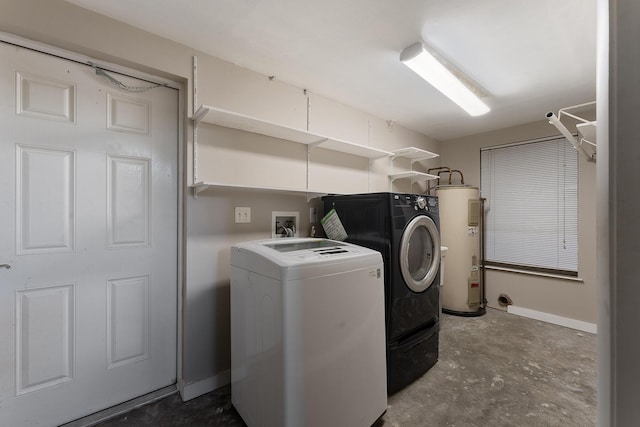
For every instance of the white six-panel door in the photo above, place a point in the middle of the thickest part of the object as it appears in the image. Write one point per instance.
(88, 227)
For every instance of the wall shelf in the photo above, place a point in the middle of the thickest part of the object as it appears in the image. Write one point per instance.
(233, 120)
(203, 186)
(199, 187)
(414, 175)
(415, 155)
(354, 149)
(229, 119)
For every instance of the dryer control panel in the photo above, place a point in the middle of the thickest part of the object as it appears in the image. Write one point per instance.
(417, 202)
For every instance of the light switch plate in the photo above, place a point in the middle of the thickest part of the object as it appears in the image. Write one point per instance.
(243, 215)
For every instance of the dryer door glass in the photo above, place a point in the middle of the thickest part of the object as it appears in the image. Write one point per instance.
(420, 253)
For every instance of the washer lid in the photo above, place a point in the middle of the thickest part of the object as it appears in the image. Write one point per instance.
(314, 245)
(297, 258)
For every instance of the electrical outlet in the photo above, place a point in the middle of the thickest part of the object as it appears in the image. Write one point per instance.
(243, 215)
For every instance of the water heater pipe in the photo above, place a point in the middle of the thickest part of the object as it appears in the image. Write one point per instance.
(483, 297)
(460, 173)
(439, 168)
(444, 171)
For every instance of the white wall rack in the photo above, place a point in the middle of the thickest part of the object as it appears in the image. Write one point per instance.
(229, 119)
(586, 129)
(414, 155)
(199, 187)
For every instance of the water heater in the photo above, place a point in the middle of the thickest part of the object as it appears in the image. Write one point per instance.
(460, 220)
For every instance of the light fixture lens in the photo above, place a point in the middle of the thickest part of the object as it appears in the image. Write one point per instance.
(429, 68)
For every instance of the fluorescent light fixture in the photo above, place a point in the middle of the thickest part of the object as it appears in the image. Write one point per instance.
(429, 68)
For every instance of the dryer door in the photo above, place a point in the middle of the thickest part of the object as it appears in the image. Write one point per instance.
(420, 253)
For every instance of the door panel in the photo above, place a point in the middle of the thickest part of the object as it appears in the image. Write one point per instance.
(44, 337)
(88, 223)
(127, 320)
(45, 209)
(45, 98)
(128, 199)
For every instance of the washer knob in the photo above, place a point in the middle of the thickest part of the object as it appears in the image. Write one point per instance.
(422, 203)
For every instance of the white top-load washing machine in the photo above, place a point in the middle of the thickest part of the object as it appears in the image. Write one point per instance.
(307, 333)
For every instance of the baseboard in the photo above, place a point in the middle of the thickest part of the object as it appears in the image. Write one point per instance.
(198, 388)
(552, 318)
(114, 411)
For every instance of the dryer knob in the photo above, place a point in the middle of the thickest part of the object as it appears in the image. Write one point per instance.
(422, 203)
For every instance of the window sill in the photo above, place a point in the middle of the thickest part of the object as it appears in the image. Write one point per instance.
(533, 273)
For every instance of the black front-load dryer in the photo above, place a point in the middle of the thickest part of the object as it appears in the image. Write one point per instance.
(404, 228)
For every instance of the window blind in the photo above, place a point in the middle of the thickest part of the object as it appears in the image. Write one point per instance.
(532, 204)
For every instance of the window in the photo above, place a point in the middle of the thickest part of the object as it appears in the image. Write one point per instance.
(532, 205)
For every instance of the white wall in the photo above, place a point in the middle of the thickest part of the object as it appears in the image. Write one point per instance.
(209, 228)
(570, 299)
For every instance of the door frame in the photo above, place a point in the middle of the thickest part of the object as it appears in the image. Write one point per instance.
(180, 159)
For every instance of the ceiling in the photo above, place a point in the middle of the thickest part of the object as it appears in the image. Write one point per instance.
(529, 57)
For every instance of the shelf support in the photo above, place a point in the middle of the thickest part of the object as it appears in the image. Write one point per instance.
(199, 188)
(311, 196)
(196, 121)
(310, 147)
(317, 143)
(370, 159)
(199, 115)
(308, 186)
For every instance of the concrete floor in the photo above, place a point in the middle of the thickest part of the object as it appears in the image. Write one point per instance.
(497, 370)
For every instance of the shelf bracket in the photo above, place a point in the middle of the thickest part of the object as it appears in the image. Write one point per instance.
(316, 144)
(308, 170)
(199, 188)
(392, 179)
(311, 196)
(197, 117)
(199, 114)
